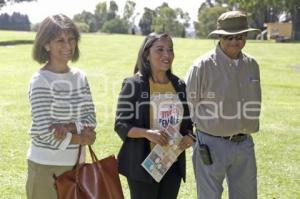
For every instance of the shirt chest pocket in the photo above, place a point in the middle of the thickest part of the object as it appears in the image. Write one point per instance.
(253, 90)
(214, 91)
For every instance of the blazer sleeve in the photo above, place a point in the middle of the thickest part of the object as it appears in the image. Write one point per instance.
(125, 113)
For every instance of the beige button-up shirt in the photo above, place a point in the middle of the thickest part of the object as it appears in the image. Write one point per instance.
(225, 98)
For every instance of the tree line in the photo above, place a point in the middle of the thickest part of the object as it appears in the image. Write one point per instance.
(106, 19)
(163, 18)
(16, 21)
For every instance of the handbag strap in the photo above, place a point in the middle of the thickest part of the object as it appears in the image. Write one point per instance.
(92, 153)
(77, 165)
(94, 159)
(79, 154)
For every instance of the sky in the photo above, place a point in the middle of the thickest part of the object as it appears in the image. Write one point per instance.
(40, 9)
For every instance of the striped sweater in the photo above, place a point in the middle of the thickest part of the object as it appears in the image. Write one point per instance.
(58, 98)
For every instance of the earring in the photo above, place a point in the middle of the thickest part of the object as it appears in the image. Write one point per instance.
(47, 48)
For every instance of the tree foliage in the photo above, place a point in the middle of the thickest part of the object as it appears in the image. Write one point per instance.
(168, 20)
(16, 21)
(101, 14)
(164, 19)
(207, 19)
(106, 19)
(128, 15)
(112, 11)
(88, 19)
(83, 27)
(5, 2)
(146, 21)
(128, 9)
(116, 25)
(259, 12)
(184, 17)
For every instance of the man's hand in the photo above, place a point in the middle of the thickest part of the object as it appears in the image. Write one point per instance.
(186, 142)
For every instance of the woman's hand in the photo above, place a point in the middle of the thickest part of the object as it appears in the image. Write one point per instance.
(59, 131)
(157, 136)
(186, 142)
(88, 136)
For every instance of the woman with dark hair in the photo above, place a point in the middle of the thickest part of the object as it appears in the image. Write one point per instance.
(149, 102)
(62, 110)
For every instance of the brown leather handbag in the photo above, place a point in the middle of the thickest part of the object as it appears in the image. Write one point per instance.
(96, 180)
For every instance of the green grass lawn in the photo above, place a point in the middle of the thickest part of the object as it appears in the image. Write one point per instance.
(107, 59)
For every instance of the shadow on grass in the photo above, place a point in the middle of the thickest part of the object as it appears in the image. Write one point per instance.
(15, 42)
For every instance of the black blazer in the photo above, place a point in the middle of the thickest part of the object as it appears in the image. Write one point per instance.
(133, 111)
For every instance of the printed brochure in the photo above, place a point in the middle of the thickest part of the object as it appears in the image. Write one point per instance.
(161, 158)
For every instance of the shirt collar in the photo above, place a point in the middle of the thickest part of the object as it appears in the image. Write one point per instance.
(223, 56)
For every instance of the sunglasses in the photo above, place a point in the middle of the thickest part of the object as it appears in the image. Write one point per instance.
(236, 37)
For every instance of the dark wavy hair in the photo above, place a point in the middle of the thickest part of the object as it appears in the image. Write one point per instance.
(49, 29)
(142, 64)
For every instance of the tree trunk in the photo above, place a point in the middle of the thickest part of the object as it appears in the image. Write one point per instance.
(296, 23)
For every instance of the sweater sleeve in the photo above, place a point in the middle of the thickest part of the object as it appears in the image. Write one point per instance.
(40, 100)
(193, 88)
(90, 118)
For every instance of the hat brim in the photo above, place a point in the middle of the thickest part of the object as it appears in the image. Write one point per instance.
(225, 32)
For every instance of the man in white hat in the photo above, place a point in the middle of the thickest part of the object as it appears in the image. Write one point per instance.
(224, 93)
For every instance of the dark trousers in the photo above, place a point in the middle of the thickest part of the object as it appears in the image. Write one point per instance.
(167, 188)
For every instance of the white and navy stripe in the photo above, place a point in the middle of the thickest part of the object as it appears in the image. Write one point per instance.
(58, 98)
